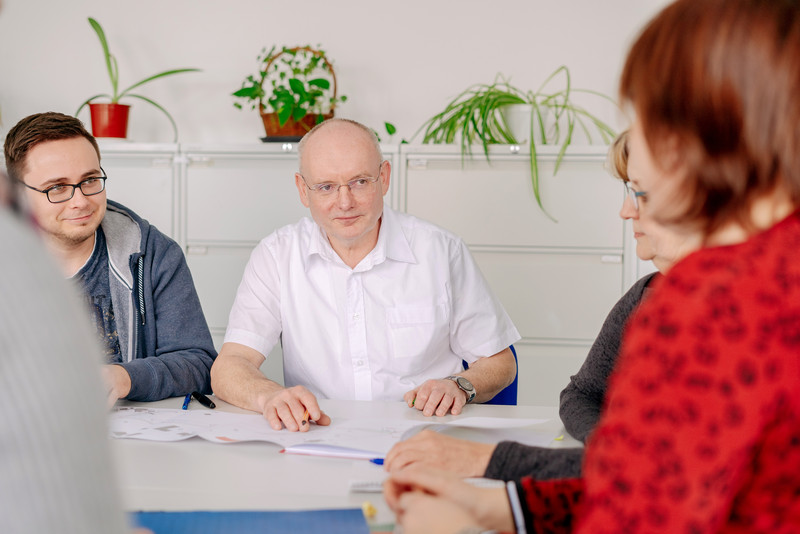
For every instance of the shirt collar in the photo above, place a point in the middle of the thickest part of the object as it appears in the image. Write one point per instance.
(392, 244)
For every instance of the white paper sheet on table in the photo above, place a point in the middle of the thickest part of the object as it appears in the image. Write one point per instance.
(373, 435)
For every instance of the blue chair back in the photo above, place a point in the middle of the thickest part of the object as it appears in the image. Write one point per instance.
(507, 396)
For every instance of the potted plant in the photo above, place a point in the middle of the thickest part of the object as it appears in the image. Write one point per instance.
(482, 113)
(294, 89)
(110, 119)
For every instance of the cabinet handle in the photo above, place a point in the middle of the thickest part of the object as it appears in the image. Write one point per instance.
(200, 161)
(161, 162)
(197, 250)
(418, 164)
(610, 259)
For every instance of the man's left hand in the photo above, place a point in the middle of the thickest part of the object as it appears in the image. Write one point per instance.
(437, 397)
(117, 382)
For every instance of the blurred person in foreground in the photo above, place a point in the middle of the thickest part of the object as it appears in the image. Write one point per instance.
(55, 463)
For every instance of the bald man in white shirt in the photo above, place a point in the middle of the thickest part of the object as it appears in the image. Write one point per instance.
(367, 303)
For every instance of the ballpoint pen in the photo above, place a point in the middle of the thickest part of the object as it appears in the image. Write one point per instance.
(202, 399)
(186, 401)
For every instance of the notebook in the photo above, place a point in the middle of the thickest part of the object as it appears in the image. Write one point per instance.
(341, 521)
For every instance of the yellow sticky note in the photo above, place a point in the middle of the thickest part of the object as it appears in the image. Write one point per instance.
(369, 510)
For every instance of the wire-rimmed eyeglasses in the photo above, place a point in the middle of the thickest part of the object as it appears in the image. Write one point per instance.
(357, 186)
(63, 192)
(634, 195)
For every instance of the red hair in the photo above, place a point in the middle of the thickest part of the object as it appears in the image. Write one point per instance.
(722, 78)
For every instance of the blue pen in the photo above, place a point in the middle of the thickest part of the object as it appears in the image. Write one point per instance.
(186, 401)
(377, 461)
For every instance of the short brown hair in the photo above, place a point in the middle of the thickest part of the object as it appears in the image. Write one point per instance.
(39, 128)
(722, 78)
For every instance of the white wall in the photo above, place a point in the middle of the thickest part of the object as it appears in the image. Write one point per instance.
(397, 61)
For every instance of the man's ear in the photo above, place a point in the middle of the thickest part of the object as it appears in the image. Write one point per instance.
(301, 188)
(386, 174)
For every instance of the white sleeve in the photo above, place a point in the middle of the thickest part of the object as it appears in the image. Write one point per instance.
(480, 325)
(255, 318)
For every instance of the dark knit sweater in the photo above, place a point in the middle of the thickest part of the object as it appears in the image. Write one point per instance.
(581, 402)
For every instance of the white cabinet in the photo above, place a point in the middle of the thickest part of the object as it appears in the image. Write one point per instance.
(557, 280)
(142, 177)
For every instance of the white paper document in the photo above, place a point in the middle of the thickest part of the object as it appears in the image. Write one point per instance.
(372, 438)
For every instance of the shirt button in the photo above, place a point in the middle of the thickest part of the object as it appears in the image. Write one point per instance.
(355, 316)
(360, 363)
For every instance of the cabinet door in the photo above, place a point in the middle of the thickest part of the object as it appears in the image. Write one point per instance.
(544, 370)
(240, 198)
(554, 296)
(144, 182)
(217, 272)
(492, 203)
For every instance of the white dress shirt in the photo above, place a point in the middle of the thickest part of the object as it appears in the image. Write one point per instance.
(411, 310)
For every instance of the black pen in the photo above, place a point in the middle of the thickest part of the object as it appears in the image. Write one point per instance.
(202, 399)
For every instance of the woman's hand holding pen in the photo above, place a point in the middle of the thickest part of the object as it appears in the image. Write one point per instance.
(293, 408)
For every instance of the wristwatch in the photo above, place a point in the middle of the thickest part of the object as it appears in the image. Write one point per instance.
(464, 385)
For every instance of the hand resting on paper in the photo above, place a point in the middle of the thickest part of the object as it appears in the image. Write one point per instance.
(432, 449)
(287, 407)
(236, 378)
(426, 500)
(436, 397)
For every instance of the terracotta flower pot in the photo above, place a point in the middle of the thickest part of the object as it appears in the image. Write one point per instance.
(273, 128)
(109, 120)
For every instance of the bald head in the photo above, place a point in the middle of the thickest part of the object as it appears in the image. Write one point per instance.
(344, 137)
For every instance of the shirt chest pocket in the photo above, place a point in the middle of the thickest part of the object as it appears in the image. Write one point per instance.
(418, 334)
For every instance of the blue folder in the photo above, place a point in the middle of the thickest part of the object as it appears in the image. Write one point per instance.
(347, 521)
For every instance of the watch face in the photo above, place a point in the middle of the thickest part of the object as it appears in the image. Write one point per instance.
(464, 384)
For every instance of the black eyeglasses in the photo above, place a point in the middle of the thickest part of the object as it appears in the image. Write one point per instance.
(64, 192)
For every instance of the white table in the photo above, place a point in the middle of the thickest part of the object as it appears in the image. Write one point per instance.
(200, 475)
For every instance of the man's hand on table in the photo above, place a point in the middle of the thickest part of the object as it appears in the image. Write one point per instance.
(287, 407)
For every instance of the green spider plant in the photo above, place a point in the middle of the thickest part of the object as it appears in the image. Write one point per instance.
(113, 74)
(474, 116)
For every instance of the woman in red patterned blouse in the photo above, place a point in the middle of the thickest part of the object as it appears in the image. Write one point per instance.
(701, 430)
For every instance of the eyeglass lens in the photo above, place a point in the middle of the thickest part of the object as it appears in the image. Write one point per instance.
(62, 193)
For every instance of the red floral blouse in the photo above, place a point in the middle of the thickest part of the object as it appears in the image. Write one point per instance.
(701, 430)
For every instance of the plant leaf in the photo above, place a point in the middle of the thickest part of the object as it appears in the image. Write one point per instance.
(322, 83)
(163, 110)
(283, 114)
(155, 77)
(297, 86)
(110, 61)
(88, 100)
